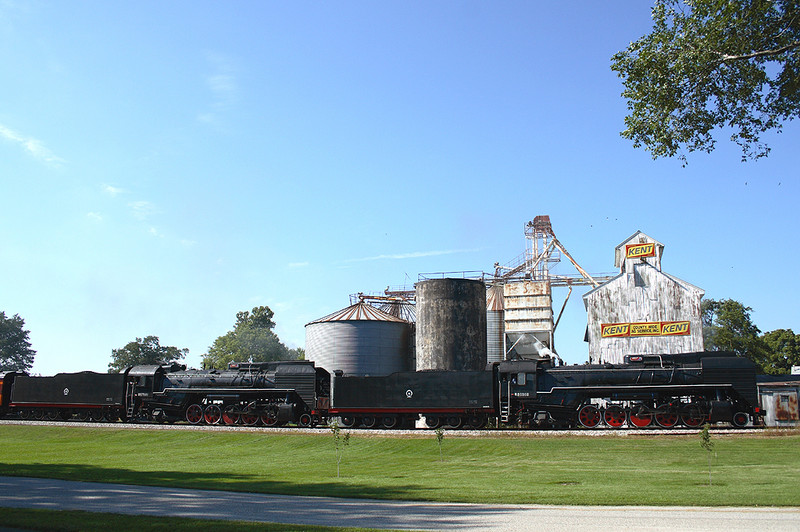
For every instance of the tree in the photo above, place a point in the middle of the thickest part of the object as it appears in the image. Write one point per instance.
(727, 326)
(708, 446)
(251, 340)
(339, 442)
(783, 351)
(15, 348)
(708, 64)
(144, 352)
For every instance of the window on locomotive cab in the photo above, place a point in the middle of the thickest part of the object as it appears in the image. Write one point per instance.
(521, 379)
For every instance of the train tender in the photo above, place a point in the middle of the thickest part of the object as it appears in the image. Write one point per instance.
(649, 390)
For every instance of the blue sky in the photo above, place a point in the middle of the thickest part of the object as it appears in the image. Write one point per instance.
(164, 165)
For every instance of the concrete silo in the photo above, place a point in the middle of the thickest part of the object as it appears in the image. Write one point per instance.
(451, 324)
(359, 340)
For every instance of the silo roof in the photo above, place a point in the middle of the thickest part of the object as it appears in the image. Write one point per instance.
(359, 312)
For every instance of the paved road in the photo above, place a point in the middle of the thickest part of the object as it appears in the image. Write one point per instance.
(18, 492)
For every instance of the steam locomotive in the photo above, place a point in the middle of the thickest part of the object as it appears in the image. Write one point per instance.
(665, 391)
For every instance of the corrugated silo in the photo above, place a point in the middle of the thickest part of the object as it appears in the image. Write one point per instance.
(451, 324)
(495, 324)
(359, 340)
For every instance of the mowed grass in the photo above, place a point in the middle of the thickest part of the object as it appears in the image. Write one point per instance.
(68, 521)
(746, 469)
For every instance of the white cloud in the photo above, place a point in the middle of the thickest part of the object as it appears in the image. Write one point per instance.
(222, 83)
(113, 191)
(142, 210)
(296, 265)
(31, 145)
(94, 216)
(412, 255)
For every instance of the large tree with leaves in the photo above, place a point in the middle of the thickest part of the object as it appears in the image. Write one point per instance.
(710, 64)
(783, 351)
(15, 348)
(145, 351)
(251, 340)
(727, 326)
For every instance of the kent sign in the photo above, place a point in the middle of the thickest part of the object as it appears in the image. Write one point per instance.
(650, 328)
(638, 251)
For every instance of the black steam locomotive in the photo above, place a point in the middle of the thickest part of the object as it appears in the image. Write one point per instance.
(666, 391)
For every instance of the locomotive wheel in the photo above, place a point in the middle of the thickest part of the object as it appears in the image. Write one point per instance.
(230, 416)
(614, 416)
(666, 420)
(82, 415)
(269, 419)
(24, 414)
(454, 422)
(96, 415)
(389, 421)
(433, 422)
(589, 416)
(693, 420)
(52, 415)
(740, 419)
(305, 420)
(38, 414)
(477, 421)
(640, 421)
(212, 414)
(369, 422)
(348, 422)
(194, 414)
(249, 419)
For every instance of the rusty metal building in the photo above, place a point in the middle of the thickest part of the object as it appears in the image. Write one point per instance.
(642, 309)
(779, 399)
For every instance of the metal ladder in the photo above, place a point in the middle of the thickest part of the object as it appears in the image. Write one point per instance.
(130, 396)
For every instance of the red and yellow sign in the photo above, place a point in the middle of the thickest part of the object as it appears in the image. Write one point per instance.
(646, 329)
(637, 251)
(649, 328)
(675, 328)
(614, 330)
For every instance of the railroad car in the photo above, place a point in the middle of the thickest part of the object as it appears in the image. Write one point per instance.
(648, 390)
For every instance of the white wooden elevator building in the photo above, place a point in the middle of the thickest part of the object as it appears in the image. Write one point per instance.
(642, 310)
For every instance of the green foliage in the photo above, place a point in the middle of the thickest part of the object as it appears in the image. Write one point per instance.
(144, 352)
(339, 443)
(251, 340)
(783, 351)
(708, 445)
(709, 64)
(727, 326)
(15, 348)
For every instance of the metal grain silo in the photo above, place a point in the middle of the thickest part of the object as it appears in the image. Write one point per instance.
(451, 324)
(495, 324)
(359, 340)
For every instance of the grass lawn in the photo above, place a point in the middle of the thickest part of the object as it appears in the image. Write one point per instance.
(746, 469)
(50, 520)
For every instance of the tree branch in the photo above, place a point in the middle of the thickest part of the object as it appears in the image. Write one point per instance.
(761, 53)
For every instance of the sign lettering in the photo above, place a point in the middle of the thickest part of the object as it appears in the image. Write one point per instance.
(635, 251)
(674, 328)
(613, 330)
(650, 328)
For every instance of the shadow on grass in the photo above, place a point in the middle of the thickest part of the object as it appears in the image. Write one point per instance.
(223, 481)
(243, 498)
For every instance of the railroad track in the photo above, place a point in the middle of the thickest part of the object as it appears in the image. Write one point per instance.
(598, 432)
